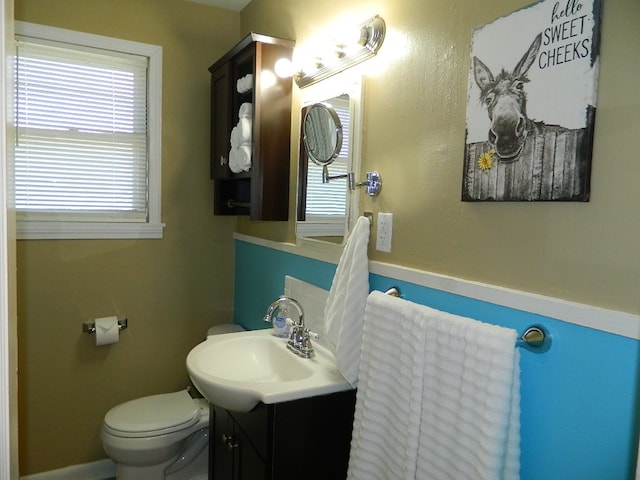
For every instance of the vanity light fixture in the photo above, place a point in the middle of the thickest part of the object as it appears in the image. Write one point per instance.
(370, 36)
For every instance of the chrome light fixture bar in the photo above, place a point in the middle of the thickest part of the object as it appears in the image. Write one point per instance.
(372, 33)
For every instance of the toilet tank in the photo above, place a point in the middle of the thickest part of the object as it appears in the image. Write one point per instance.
(225, 328)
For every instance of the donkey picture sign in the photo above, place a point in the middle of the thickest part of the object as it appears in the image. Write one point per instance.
(531, 104)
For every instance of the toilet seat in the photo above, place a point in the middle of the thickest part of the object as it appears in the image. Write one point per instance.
(153, 416)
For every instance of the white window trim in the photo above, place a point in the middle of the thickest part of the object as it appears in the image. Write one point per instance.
(153, 228)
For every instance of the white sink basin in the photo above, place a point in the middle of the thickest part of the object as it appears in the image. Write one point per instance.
(236, 371)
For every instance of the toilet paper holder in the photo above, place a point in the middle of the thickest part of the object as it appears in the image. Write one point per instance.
(90, 327)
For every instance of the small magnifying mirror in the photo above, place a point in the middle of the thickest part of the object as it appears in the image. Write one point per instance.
(322, 134)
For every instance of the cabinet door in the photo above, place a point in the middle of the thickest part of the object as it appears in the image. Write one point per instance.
(220, 448)
(233, 455)
(221, 118)
(249, 465)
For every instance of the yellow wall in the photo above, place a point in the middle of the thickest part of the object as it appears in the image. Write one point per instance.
(9, 273)
(171, 290)
(414, 119)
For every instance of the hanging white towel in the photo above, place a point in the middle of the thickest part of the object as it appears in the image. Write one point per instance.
(384, 443)
(344, 311)
(438, 396)
(470, 420)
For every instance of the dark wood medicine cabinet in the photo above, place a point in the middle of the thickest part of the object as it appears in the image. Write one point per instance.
(263, 191)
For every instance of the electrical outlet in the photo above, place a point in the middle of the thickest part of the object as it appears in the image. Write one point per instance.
(385, 227)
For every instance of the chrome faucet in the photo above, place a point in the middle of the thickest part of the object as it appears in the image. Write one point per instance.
(300, 337)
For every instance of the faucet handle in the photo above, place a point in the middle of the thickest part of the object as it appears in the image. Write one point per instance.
(300, 341)
(312, 334)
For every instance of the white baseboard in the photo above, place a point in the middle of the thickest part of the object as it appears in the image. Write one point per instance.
(99, 470)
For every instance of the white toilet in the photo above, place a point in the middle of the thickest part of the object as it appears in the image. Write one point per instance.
(162, 436)
(158, 437)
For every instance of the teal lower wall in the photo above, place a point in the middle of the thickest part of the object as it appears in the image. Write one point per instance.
(579, 399)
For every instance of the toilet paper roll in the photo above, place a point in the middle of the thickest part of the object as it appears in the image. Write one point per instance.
(107, 331)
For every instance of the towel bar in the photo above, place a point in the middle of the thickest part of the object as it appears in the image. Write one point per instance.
(535, 338)
(234, 204)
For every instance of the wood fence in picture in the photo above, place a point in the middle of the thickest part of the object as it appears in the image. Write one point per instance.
(552, 166)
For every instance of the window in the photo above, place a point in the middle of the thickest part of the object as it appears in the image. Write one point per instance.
(88, 127)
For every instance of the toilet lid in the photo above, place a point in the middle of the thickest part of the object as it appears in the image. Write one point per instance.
(154, 415)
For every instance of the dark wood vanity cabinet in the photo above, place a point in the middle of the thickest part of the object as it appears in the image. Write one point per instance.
(263, 191)
(308, 438)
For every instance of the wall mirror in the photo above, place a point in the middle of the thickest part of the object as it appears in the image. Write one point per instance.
(330, 140)
(322, 131)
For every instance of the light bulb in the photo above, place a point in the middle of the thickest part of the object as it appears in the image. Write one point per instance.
(267, 78)
(284, 68)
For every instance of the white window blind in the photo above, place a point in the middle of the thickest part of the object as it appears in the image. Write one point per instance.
(81, 134)
(88, 122)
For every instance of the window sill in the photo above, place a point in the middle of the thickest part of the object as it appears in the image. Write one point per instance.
(87, 231)
(317, 228)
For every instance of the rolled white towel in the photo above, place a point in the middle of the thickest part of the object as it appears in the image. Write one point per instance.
(245, 131)
(234, 164)
(246, 110)
(242, 133)
(235, 137)
(244, 157)
(245, 83)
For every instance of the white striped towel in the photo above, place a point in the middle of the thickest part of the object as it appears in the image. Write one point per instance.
(470, 421)
(438, 396)
(384, 444)
(344, 311)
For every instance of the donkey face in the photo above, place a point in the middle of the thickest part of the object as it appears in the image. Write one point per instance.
(505, 100)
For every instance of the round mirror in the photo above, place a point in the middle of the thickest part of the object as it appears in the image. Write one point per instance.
(322, 133)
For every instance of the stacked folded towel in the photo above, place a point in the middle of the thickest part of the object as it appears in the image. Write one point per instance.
(245, 83)
(242, 140)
